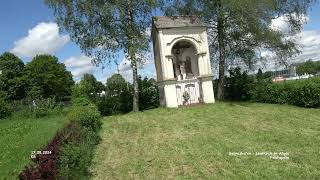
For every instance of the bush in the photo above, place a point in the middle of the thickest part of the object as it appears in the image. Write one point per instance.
(39, 107)
(86, 116)
(46, 166)
(238, 85)
(304, 93)
(74, 160)
(5, 109)
(43, 107)
(108, 105)
(77, 151)
(75, 156)
(71, 149)
(71, 153)
(81, 101)
(258, 92)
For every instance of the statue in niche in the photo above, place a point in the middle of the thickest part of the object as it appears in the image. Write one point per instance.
(182, 69)
(177, 70)
(188, 68)
(179, 65)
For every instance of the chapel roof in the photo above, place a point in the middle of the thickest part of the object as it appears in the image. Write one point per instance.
(164, 22)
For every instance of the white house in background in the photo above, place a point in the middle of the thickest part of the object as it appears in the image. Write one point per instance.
(182, 60)
(288, 74)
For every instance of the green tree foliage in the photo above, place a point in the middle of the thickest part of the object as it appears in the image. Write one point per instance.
(48, 78)
(118, 94)
(118, 97)
(309, 67)
(149, 93)
(263, 77)
(238, 85)
(5, 109)
(12, 83)
(239, 28)
(259, 75)
(267, 75)
(103, 28)
(88, 87)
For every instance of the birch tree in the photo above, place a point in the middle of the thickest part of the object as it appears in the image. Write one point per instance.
(103, 28)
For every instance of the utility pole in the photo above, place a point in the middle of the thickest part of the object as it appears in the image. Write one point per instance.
(117, 64)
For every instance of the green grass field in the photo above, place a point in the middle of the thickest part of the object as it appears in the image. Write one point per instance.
(194, 143)
(19, 136)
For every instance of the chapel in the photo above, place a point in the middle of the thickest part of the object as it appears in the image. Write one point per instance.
(182, 60)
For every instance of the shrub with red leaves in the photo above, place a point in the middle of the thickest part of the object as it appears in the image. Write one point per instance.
(47, 164)
(69, 153)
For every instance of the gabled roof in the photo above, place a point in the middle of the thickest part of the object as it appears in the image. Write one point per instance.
(164, 22)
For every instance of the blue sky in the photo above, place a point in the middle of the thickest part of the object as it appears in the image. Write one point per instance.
(28, 27)
(21, 20)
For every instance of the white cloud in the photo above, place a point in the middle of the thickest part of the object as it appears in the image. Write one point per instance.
(281, 23)
(78, 61)
(104, 78)
(42, 39)
(124, 68)
(148, 32)
(309, 43)
(79, 72)
(79, 65)
(125, 65)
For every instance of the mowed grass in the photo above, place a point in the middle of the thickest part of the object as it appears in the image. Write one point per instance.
(20, 136)
(194, 143)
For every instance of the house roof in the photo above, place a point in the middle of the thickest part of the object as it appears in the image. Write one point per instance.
(164, 22)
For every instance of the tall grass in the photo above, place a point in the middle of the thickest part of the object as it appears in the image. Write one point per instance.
(20, 135)
(194, 143)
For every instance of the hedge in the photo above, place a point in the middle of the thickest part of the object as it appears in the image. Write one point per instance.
(87, 116)
(46, 165)
(303, 93)
(71, 149)
(76, 155)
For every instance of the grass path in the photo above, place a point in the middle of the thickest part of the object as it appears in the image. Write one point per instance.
(19, 136)
(192, 143)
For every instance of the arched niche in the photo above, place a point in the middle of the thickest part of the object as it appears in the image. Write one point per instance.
(184, 60)
(196, 43)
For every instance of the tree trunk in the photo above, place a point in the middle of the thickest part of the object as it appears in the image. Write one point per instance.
(135, 87)
(222, 60)
(132, 55)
